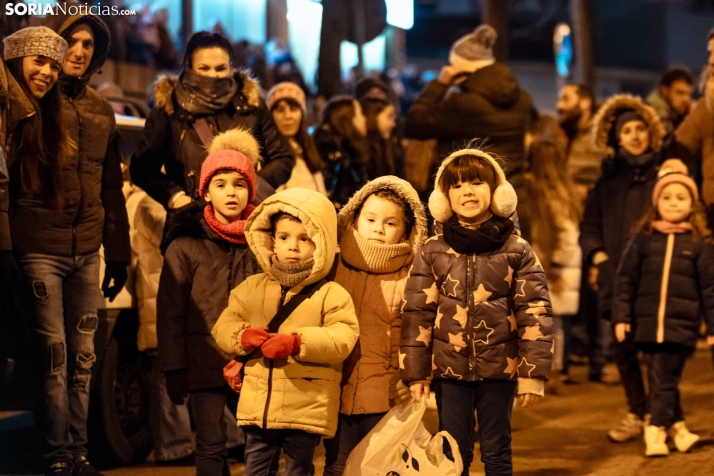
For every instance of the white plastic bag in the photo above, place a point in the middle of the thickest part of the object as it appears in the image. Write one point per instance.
(400, 446)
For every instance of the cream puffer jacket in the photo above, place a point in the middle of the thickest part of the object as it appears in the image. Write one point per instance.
(375, 275)
(300, 392)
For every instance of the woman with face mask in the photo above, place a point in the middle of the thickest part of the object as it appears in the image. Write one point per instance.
(286, 102)
(207, 98)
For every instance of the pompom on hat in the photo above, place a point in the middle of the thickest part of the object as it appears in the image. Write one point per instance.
(475, 50)
(35, 40)
(286, 90)
(674, 171)
(503, 198)
(235, 149)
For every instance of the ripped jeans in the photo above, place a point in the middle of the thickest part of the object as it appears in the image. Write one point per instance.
(66, 294)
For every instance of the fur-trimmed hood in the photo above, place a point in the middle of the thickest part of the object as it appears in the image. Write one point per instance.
(603, 135)
(248, 91)
(403, 189)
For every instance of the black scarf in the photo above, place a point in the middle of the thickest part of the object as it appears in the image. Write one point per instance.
(202, 95)
(491, 235)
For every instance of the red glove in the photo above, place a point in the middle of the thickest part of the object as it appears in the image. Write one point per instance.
(254, 337)
(280, 346)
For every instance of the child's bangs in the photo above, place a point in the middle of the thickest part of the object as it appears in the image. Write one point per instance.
(468, 168)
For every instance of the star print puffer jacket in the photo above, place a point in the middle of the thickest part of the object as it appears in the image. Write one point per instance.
(477, 316)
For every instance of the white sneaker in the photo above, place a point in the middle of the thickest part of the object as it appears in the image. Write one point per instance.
(655, 441)
(630, 428)
(682, 437)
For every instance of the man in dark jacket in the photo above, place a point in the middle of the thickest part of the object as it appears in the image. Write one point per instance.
(179, 129)
(92, 193)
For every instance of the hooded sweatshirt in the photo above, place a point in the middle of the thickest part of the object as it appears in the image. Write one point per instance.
(301, 392)
(92, 211)
(375, 276)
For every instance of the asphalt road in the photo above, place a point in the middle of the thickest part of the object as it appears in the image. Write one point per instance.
(564, 435)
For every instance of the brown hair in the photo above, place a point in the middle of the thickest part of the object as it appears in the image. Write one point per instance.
(698, 220)
(392, 196)
(468, 168)
(40, 142)
(380, 149)
(336, 126)
(309, 151)
(274, 219)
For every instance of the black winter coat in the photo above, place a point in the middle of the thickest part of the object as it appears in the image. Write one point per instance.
(345, 170)
(476, 316)
(688, 288)
(92, 211)
(620, 198)
(169, 140)
(200, 270)
(489, 105)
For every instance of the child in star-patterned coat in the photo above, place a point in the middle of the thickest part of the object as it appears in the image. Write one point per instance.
(476, 322)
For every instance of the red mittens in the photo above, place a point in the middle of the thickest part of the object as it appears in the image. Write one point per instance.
(254, 337)
(280, 346)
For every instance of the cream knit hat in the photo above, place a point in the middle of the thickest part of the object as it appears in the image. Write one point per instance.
(35, 40)
(286, 90)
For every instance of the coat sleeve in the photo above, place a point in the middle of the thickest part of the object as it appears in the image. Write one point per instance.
(116, 222)
(627, 281)
(421, 298)
(688, 134)
(705, 271)
(230, 325)
(532, 309)
(428, 115)
(5, 241)
(334, 340)
(591, 227)
(172, 303)
(278, 162)
(152, 153)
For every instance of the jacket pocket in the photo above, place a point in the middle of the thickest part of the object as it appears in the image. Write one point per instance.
(316, 400)
(248, 396)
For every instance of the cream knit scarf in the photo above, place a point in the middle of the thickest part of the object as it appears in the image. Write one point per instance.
(291, 274)
(373, 257)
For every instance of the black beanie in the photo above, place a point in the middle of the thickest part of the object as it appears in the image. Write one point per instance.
(624, 118)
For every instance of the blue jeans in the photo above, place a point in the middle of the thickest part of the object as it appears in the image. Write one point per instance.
(65, 291)
(493, 402)
(262, 451)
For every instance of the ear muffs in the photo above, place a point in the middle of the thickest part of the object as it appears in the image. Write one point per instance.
(503, 198)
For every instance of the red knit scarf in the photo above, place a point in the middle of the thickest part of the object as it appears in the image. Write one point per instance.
(668, 227)
(231, 232)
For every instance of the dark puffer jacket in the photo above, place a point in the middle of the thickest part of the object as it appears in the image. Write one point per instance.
(489, 314)
(92, 211)
(490, 105)
(170, 140)
(345, 170)
(200, 270)
(688, 288)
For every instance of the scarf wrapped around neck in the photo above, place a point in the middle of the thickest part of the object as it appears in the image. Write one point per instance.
(374, 257)
(231, 232)
(202, 95)
(667, 227)
(489, 236)
(291, 274)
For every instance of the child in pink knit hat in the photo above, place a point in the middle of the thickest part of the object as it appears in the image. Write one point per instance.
(665, 282)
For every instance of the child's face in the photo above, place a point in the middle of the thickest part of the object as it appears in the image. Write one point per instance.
(292, 245)
(471, 201)
(635, 137)
(381, 221)
(228, 193)
(675, 203)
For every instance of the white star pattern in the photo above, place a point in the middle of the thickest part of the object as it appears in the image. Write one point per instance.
(432, 293)
(512, 320)
(450, 373)
(439, 315)
(457, 340)
(532, 333)
(529, 368)
(522, 284)
(536, 309)
(401, 360)
(481, 295)
(461, 316)
(509, 276)
(424, 336)
(449, 286)
(486, 330)
(511, 366)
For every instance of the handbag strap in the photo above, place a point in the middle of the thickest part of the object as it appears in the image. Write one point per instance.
(285, 310)
(204, 132)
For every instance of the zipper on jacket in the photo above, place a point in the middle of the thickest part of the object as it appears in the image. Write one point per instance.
(664, 287)
(283, 292)
(469, 309)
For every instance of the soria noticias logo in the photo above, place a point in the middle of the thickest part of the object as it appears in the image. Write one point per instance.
(64, 9)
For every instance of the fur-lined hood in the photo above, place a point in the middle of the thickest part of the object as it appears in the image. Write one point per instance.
(403, 189)
(603, 134)
(248, 91)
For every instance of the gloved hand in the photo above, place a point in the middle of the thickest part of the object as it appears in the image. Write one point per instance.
(11, 282)
(254, 337)
(281, 346)
(177, 385)
(115, 270)
(398, 391)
